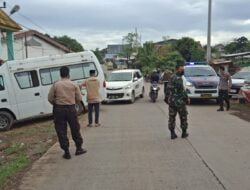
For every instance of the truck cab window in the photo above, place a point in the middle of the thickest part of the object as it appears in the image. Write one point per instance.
(1, 83)
(27, 79)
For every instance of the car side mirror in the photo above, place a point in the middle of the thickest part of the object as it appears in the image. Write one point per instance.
(135, 79)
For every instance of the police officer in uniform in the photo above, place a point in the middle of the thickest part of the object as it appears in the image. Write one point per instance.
(177, 99)
(63, 95)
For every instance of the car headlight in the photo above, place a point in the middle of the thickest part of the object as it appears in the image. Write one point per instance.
(189, 84)
(128, 87)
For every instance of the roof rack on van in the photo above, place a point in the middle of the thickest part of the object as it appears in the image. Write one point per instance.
(196, 63)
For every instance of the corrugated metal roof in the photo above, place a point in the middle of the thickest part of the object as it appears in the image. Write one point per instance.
(7, 23)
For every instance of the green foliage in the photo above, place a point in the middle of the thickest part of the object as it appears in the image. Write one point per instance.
(190, 49)
(243, 63)
(10, 168)
(70, 43)
(14, 149)
(149, 58)
(171, 59)
(241, 44)
(99, 55)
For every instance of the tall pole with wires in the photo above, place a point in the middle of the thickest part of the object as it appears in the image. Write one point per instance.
(209, 31)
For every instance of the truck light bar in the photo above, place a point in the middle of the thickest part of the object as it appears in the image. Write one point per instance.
(195, 63)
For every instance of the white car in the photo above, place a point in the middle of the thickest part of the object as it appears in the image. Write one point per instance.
(125, 85)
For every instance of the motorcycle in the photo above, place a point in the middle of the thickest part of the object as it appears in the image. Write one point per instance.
(153, 94)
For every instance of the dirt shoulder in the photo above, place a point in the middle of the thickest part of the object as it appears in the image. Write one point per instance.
(241, 110)
(21, 146)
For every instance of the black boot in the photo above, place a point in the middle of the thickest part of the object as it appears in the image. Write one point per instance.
(173, 134)
(67, 155)
(221, 109)
(184, 134)
(80, 151)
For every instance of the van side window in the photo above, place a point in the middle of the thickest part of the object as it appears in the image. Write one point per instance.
(87, 67)
(77, 72)
(138, 75)
(49, 76)
(1, 83)
(27, 79)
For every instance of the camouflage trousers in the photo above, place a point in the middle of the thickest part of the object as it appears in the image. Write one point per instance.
(182, 111)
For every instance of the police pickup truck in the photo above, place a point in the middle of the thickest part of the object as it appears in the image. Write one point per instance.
(200, 81)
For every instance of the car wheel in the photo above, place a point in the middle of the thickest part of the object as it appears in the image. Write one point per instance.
(132, 98)
(142, 93)
(79, 108)
(6, 121)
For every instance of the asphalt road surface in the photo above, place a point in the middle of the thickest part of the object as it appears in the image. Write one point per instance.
(132, 151)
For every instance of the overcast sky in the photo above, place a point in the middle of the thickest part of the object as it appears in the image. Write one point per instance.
(96, 23)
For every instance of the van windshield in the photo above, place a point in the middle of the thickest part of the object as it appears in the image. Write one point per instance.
(120, 77)
(199, 72)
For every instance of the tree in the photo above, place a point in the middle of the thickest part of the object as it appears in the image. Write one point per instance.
(241, 44)
(149, 57)
(190, 49)
(131, 46)
(99, 55)
(170, 60)
(70, 43)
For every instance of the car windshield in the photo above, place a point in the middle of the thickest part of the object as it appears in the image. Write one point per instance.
(241, 75)
(199, 71)
(120, 77)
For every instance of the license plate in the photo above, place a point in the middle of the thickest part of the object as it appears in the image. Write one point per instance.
(233, 91)
(206, 95)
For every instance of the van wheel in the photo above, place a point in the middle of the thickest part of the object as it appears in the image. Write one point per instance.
(6, 121)
(79, 108)
(132, 98)
(142, 93)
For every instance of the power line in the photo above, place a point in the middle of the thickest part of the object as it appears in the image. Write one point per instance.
(28, 19)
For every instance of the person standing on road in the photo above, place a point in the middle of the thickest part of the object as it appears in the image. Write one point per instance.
(224, 87)
(93, 97)
(63, 95)
(177, 99)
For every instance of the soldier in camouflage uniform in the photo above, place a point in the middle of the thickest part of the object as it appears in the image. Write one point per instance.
(177, 99)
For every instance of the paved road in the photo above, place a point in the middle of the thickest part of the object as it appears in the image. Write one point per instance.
(133, 151)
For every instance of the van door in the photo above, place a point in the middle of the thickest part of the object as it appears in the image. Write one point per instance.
(140, 82)
(136, 83)
(28, 94)
(4, 98)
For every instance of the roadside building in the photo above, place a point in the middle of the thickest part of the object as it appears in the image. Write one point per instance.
(228, 64)
(32, 43)
(7, 27)
(115, 54)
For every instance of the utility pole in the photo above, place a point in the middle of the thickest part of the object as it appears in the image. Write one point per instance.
(209, 31)
(26, 45)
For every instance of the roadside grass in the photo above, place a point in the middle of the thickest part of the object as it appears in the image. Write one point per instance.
(20, 147)
(11, 167)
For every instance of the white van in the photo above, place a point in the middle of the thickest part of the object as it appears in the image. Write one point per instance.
(24, 84)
